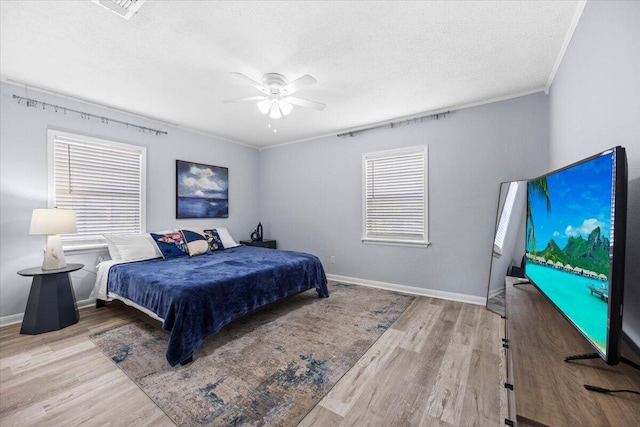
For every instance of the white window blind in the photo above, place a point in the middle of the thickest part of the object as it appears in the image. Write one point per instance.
(395, 196)
(505, 215)
(103, 181)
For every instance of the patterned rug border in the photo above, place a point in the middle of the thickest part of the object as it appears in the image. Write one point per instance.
(147, 324)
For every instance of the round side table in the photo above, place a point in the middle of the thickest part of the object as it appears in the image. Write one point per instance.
(52, 303)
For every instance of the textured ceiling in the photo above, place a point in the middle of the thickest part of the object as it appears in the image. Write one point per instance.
(374, 61)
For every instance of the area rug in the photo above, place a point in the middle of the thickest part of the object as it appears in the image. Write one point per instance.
(270, 367)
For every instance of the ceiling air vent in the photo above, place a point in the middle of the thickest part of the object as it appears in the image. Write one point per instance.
(123, 8)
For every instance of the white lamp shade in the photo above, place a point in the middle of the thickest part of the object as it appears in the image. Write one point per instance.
(285, 107)
(275, 112)
(264, 106)
(53, 221)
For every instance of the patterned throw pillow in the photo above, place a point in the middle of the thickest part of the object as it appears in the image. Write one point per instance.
(196, 243)
(213, 240)
(171, 244)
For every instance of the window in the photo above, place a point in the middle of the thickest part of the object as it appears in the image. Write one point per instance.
(103, 181)
(503, 224)
(395, 197)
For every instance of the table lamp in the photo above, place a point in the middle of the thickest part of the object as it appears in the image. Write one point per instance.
(53, 222)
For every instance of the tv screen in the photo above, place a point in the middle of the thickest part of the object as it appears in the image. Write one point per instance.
(575, 245)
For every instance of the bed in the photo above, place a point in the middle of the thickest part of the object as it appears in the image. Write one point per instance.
(195, 297)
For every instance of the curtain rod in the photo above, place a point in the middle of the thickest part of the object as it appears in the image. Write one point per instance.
(421, 119)
(105, 120)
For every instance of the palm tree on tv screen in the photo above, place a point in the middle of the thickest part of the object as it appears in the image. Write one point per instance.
(537, 188)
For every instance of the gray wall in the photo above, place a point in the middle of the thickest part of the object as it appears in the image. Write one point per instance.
(311, 195)
(23, 168)
(594, 105)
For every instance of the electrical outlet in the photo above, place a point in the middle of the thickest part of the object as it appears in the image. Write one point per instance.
(333, 259)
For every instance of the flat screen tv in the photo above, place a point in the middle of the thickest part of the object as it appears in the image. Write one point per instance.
(575, 246)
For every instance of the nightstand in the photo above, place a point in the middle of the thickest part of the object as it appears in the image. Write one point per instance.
(264, 243)
(52, 303)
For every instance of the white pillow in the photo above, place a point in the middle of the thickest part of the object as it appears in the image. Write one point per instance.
(134, 247)
(227, 240)
(113, 249)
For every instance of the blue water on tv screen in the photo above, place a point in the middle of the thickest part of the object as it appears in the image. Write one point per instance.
(569, 238)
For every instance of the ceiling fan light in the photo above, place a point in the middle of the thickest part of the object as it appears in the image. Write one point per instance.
(285, 107)
(275, 112)
(264, 106)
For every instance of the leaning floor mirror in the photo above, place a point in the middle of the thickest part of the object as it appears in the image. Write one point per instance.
(509, 241)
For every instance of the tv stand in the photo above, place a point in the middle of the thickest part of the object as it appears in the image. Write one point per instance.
(597, 356)
(546, 390)
(581, 357)
(520, 282)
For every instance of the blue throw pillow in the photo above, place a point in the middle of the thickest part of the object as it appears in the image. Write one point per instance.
(214, 240)
(171, 244)
(197, 244)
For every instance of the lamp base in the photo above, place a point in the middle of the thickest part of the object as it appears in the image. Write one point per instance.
(53, 255)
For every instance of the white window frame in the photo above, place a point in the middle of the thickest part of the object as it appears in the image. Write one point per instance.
(79, 241)
(505, 216)
(420, 239)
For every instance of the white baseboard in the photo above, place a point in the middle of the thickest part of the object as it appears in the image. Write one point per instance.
(17, 318)
(11, 320)
(451, 296)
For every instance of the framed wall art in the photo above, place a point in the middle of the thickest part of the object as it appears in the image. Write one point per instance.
(202, 191)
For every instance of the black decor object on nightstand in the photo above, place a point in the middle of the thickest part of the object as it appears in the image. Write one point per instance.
(264, 243)
(256, 236)
(52, 303)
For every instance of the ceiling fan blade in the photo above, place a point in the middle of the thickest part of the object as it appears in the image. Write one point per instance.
(248, 98)
(298, 84)
(252, 82)
(305, 102)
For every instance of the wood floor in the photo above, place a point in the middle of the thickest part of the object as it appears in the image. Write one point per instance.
(440, 364)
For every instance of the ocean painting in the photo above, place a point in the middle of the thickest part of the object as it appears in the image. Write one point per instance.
(568, 242)
(202, 191)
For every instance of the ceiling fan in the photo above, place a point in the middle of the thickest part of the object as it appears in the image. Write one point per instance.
(276, 100)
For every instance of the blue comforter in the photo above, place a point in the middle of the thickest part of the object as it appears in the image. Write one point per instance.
(197, 296)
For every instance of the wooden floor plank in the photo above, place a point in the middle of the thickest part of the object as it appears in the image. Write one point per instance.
(489, 332)
(446, 400)
(481, 408)
(374, 406)
(347, 391)
(320, 416)
(423, 321)
(466, 326)
(406, 319)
